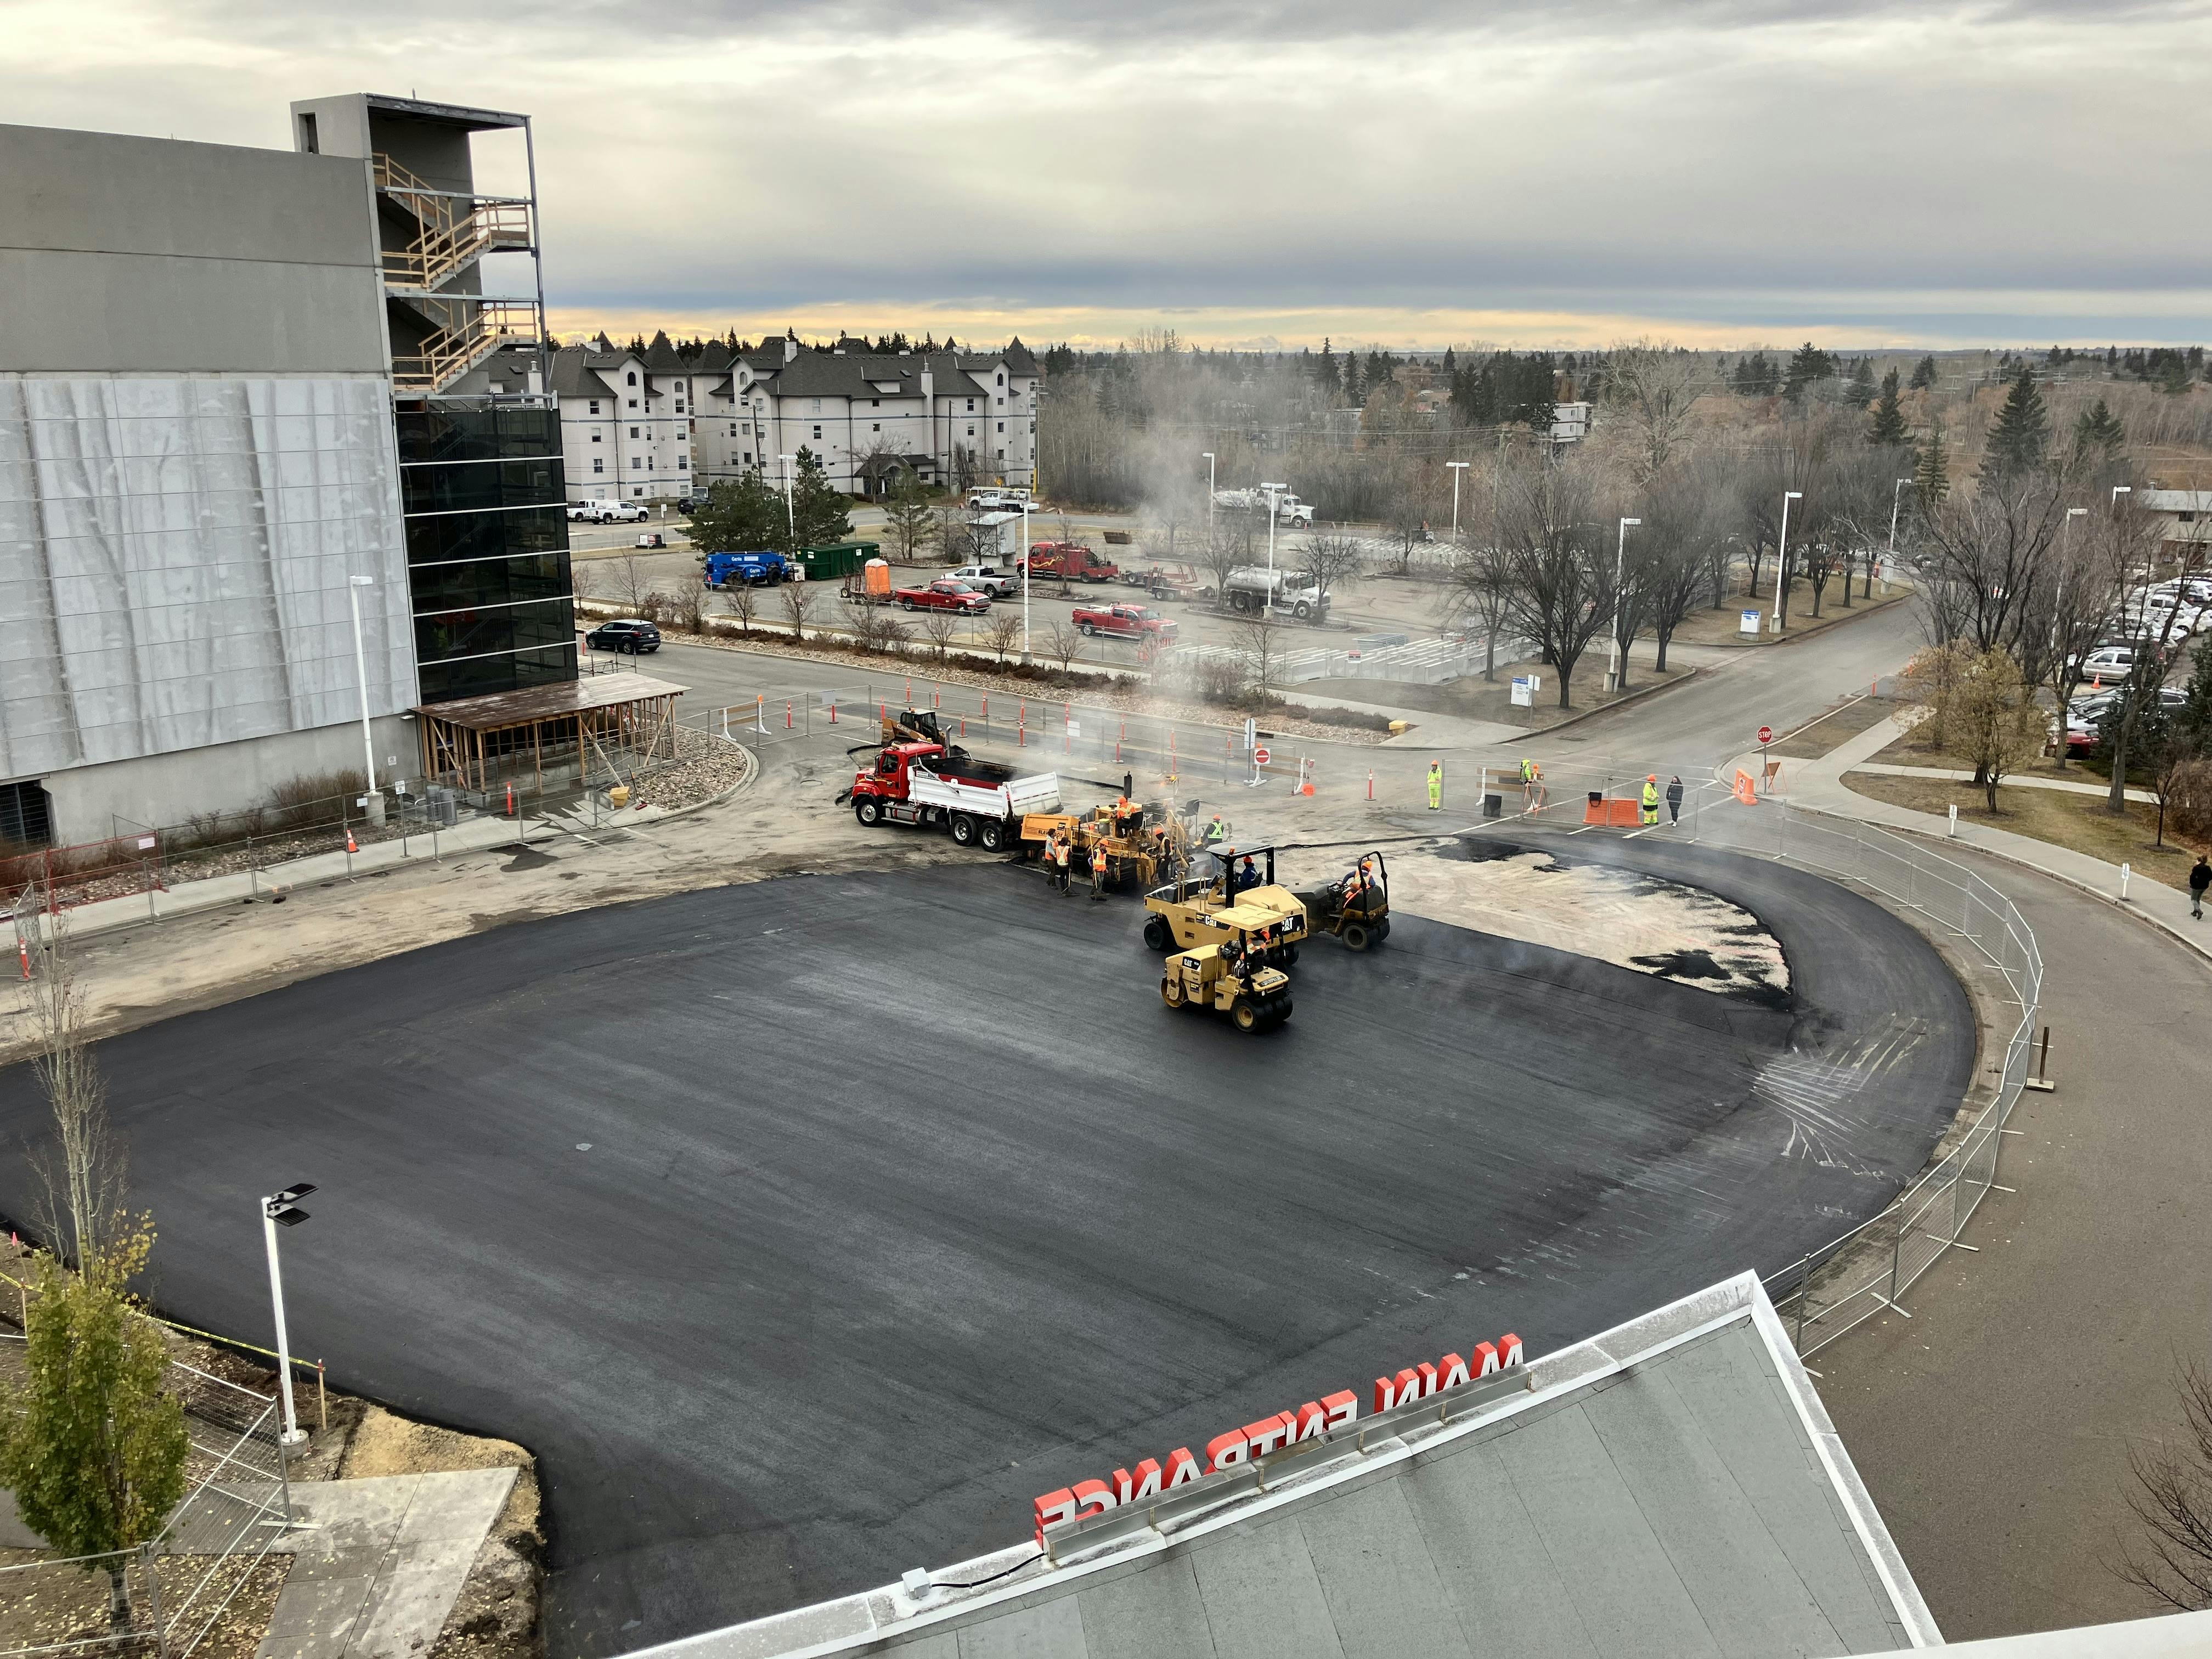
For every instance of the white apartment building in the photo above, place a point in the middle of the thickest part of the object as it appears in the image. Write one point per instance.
(958, 416)
(626, 420)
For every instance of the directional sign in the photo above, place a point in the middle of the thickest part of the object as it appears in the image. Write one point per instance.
(1766, 734)
(1260, 756)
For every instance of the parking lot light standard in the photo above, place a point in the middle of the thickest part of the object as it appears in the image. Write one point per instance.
(1274, 494)
(1025, 582)
(1457, 468)
(1895, 494)
(371, 800)
(790, 517)
(282, 1210)
(1782, 555)
(1209, 494)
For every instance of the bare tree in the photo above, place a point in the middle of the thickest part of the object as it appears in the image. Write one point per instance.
(1333, 560)
(742, 600)
(872, 628)
(1992, 546)
(1061, 642)
(1560, 578)
(937, 627)
(2171, 1557)
(1227, 548)
(798, 606)
(1656, 387)
(1480, 596)
(632, 587)
(907, 515)
(1405, 523)
(1675, 551)
(1001, 631)
(84, 1176)
(1259, 637)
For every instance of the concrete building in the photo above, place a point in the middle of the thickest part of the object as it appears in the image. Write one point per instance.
(240, 391)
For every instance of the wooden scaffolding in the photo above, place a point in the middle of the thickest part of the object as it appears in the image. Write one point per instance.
(479, 744)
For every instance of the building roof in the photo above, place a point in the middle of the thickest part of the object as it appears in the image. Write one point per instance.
(662, 358)
(856, 374)
(1672, 1487)
(2175, 501)
(713, 358)
(500, 711)
(577, 372)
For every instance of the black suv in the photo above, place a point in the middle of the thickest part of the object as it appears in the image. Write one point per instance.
(630, 634)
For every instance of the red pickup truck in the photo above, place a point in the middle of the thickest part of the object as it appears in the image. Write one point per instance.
(1124, 621)
(943, 596)
(1073, 560)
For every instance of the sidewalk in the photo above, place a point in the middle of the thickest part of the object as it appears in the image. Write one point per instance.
(1817, 786)
(1953, 774)
(378, 1564)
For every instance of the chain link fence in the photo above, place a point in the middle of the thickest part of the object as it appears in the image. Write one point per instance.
(1832, 1289)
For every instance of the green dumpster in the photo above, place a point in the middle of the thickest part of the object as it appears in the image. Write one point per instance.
(838, 560)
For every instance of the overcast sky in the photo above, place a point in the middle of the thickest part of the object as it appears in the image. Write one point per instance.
(1257, 171)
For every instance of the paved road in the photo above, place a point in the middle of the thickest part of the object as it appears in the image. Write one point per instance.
(807, 1229)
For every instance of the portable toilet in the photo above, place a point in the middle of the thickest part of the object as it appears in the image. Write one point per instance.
(876, 580)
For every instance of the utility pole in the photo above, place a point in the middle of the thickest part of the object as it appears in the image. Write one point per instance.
(1782, 555)
(1457, 468)
(1619, 569)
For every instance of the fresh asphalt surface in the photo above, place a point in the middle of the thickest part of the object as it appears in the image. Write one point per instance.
(807, 1229)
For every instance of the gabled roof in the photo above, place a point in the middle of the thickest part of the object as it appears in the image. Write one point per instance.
(713, 358)
(581, 372)
(1672, 1487)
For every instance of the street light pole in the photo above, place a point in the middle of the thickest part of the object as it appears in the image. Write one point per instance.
(1457, 468)
(1896, 494)
(1619, 569)
(372, 801)
(1782, 553)
(2143, 610)
(790, 515)
(279, 1210)
(1209, 494)
(1025, 583)
(1273, 495)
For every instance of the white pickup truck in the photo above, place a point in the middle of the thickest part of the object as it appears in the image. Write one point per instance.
(992, 579)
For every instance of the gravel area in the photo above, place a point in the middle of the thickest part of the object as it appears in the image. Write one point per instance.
(705, 766)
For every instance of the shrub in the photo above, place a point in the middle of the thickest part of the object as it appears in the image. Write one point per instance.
(2188, 804)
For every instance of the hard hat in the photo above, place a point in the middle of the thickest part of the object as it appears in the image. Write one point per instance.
(1652, 777)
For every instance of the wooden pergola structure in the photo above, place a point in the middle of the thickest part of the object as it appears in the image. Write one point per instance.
(474, 743)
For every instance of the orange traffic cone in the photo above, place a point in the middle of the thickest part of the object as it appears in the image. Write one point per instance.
(350, 847)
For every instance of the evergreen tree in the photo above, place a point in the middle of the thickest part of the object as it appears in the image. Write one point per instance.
(1923, 374)
(1807, 363)
(1887, 425)
(743, 516)
(1931, 473)
(2098, 434)
(1354, 393)
(820, 513)
(1451, 362)
(1756, 376)
(1860, 393)
(2022, 432)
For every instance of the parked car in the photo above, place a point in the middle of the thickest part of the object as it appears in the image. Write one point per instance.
(578, 511)
(986, 578)
(618, 513)
(652, 538)
(628, 634)
(2109, 662)
(687, 505)
(944, 595)
(1123, 622)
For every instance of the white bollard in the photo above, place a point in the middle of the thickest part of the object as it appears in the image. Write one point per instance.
(2123, 883)
(1953, 830)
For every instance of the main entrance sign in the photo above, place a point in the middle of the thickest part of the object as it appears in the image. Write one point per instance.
(1314, 1420)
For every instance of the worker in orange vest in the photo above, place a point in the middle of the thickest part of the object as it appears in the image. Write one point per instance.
(1062, 845)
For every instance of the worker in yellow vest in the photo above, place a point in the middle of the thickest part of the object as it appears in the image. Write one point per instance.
(1435, 786)
(1652, 800)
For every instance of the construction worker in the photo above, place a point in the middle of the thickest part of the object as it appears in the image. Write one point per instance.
(1533, 796)
(1099, 866)
(1215, 833)
(1063, 848)
(1435, 786)
(1674, 799)
(1651, 803)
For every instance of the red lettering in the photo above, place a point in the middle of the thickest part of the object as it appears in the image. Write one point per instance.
(1053, 1508)
(1509, 1350)
(1124, 1482)
(1226, 1451)
(1486, 1358)
(1269, 1432)
(1339, 1408)
(1182, 1468)
(1312, 1423)
(1455, 1372)
(1427, 1373)
(1093, 1496)
(1148, 1482)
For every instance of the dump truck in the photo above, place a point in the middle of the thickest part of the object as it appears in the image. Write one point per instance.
(1235, 972)
(935, 785)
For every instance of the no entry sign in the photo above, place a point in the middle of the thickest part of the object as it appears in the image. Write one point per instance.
(1766, 734)
(1261, 757)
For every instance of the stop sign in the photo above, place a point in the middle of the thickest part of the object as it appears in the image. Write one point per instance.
(1261, 757)
(1766, 734)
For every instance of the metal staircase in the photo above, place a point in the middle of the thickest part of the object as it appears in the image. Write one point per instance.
(456, 231)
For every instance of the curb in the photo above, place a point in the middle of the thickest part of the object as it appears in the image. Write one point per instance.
(1688, 676)
(1857, 610)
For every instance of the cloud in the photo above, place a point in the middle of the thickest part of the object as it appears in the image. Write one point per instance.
(1736, 163)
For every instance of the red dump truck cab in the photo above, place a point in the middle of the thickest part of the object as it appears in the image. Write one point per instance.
(1074, 560)
(1124, 621)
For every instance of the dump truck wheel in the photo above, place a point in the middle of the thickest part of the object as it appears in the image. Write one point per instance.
(1171, 990)
(1383, 930)
(1245, 1013)
(993, 835)
(1157, 936)
(1355, 936)
(1290, 956)
(963, 829)
(868, 810)
(1283, 1011)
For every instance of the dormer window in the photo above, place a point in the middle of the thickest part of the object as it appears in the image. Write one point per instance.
(632, 377)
